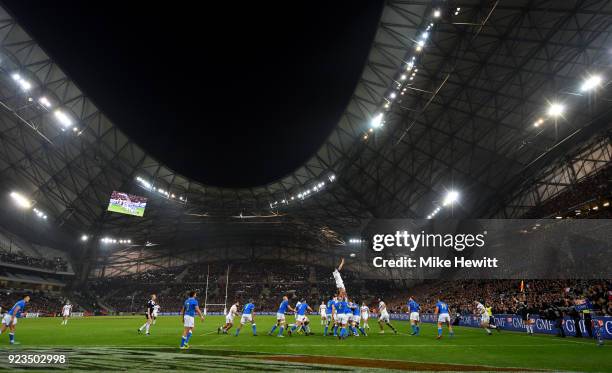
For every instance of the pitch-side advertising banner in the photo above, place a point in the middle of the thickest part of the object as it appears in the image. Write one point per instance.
(486, 249)
(515, 323)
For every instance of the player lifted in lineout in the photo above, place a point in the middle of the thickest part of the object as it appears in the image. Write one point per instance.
(338, 279)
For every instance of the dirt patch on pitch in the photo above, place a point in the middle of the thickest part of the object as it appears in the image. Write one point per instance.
(388, 364)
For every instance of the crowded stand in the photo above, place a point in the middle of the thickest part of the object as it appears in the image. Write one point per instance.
(56, 264)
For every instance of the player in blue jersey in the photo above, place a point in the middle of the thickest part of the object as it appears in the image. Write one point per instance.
(413, 309)
(443, 317)
(345, 317)
(301, 319)
(188, 312)
(355, 319)
(10, 318)
(281, 323)
(248, 315)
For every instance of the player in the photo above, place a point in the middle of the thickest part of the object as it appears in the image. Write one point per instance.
(248, 315)
(188, 312)
(524, 312)
(229, 319)
(10, 318)
(330, 315)
(156, 309)
(66, 311)
(365, 315)
(336, 315)
(383, 317)
(338, 279)
(443, 317)
(301, 320)
(149, 315)
(492, 319)
(343, 312)
(481, 311)
(281, 323)
(323, 313)
(414, 308)
(355, 320)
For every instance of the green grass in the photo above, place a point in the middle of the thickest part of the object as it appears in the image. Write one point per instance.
(469, 346)
(139, 211)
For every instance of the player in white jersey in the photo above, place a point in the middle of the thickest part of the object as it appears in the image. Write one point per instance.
(229, 318)
(323, 313)
(156, 309)
(383, 317)
(66, 311)
(481, 311)
(338, 279)
(365, 315)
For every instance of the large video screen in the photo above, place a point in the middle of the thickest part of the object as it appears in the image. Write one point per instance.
(128, 204)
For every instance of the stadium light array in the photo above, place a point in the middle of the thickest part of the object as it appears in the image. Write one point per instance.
(110, 240)
(591, 83)
(555, 110)
(356, 240)
(399, 85)
(538, 122)
(377, 121)
(21, 201)
(451, 197)
(315, 187)
(40, 214)
(24, 84)
(84, 238)
(63, 118)
(44, 101)
(149, 186)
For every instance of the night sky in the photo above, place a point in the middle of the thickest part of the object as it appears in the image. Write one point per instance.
(228, 94)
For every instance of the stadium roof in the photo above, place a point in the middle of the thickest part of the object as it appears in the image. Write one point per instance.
(460, 115)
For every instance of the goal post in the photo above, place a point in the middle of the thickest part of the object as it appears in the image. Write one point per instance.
(216, 307)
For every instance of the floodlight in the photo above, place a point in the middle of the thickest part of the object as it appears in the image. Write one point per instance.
(591, 83)
(63, 118)
(425, 35)
(403, 77)
(450, 198)
(84, 237)
(437, 13)
(21, 201)
(44, 101)
(376, 122)
(393, 95)
(556, 110)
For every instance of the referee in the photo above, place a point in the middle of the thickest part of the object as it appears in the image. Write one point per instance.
(149, 315)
